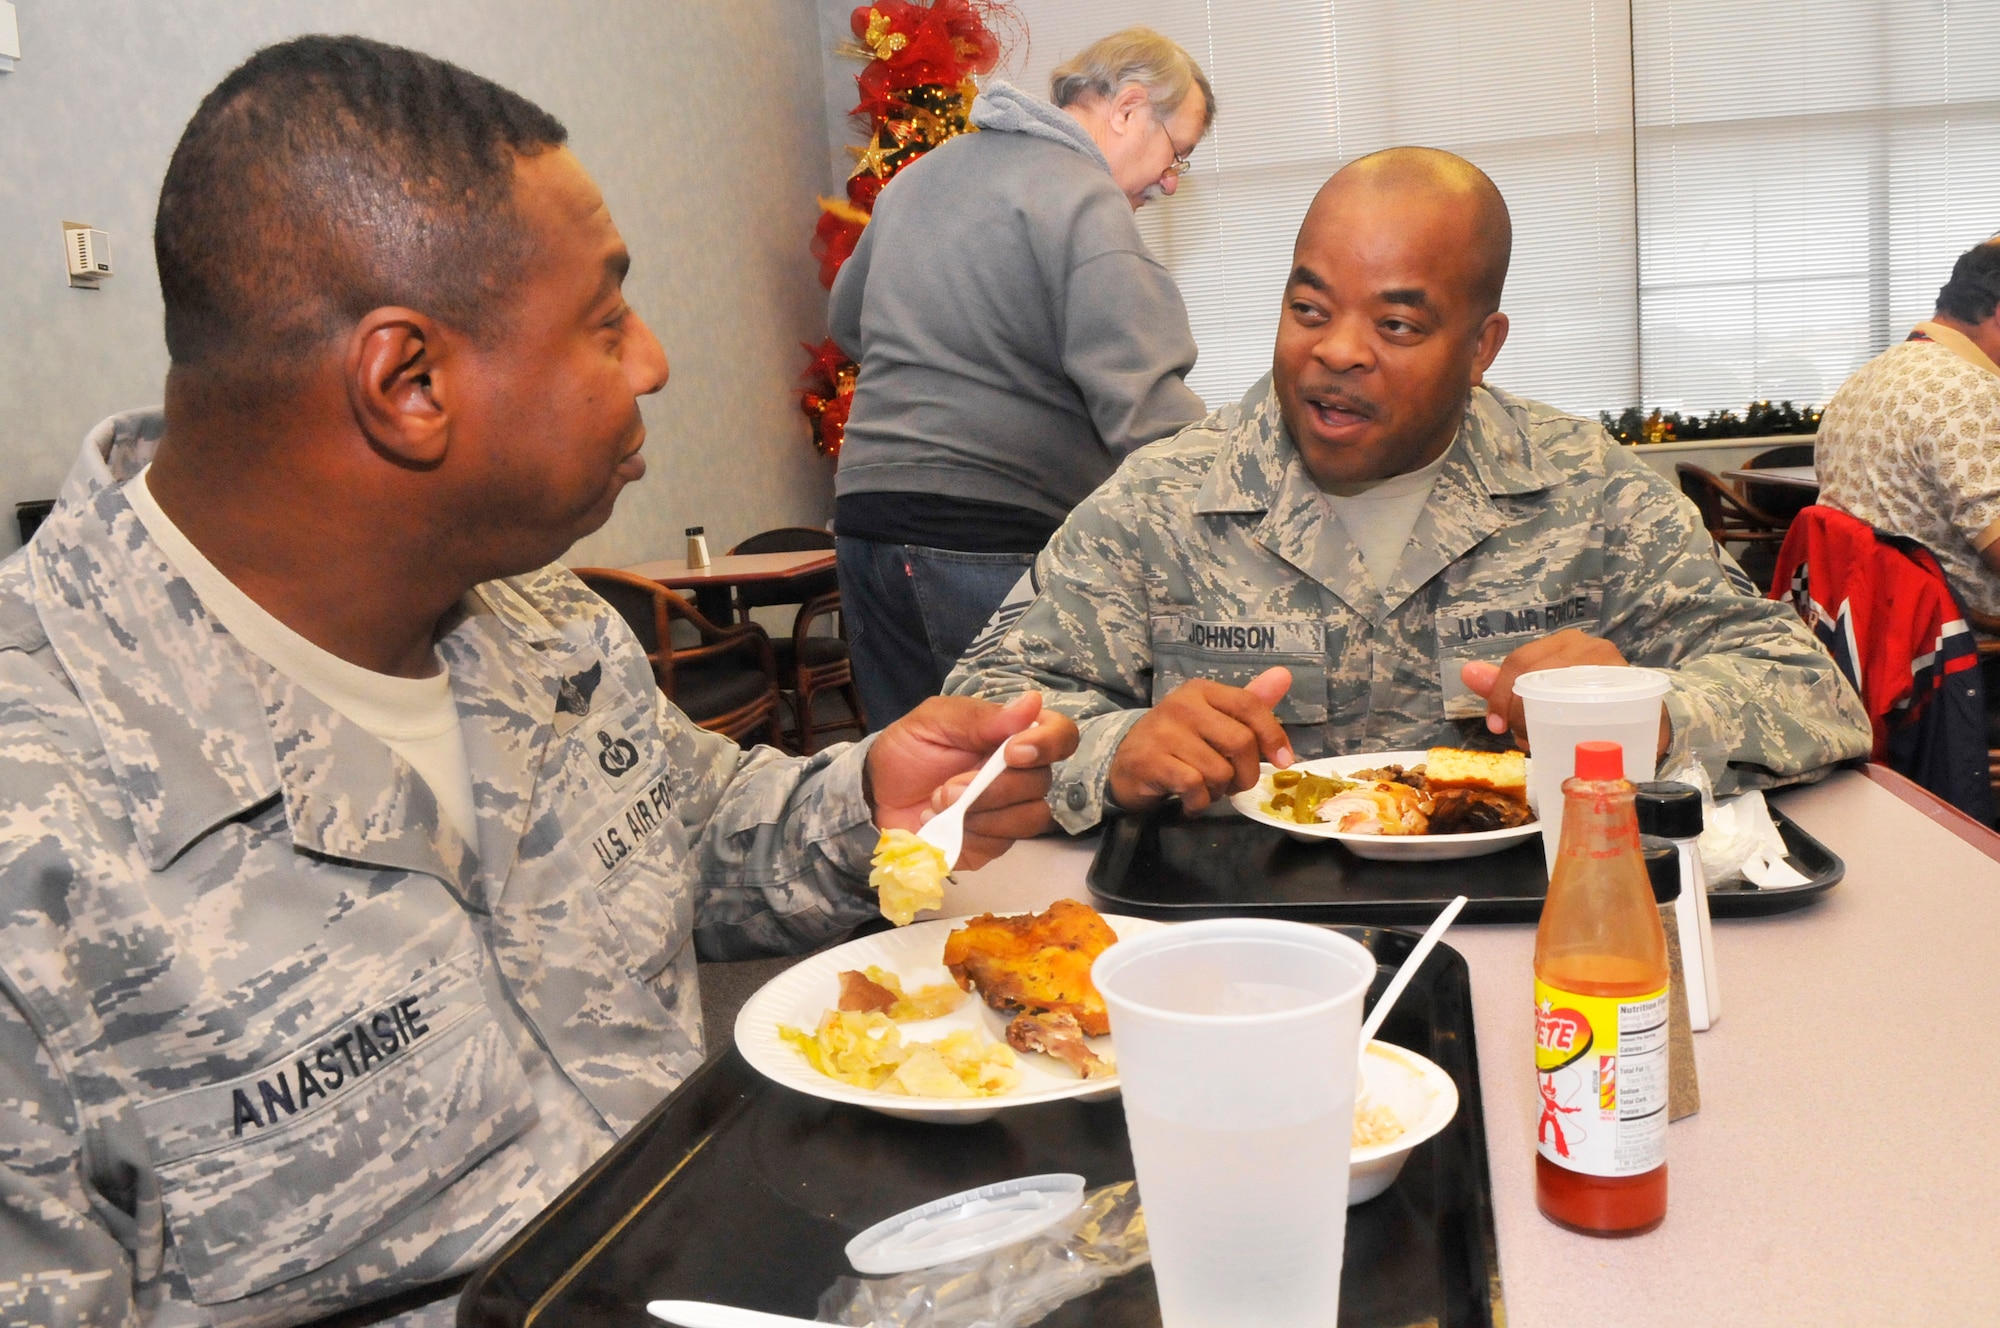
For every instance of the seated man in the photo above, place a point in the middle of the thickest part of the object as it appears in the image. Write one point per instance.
(1911, 443)
(1367, 551)
(352, 867)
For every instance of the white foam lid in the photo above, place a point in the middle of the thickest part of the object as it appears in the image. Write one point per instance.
(1592, 682)
(971, 1222)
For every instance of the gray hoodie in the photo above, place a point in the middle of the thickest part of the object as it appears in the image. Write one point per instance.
(1015, 337)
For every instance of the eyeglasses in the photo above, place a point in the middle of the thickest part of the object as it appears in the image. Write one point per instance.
(1182, 161)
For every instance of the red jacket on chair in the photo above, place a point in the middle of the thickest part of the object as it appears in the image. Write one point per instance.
(1882, 607)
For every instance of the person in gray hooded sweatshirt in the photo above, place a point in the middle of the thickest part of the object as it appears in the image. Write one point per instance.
(1016, 339)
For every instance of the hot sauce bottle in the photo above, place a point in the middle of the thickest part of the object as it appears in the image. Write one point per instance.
(1601, 1015)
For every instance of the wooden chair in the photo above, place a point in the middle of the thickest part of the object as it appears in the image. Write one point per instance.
(1732, 519)
(727, 682)
(1783, 501)
(809, 664)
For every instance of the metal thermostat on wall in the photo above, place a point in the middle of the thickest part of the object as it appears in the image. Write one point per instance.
(86, 253)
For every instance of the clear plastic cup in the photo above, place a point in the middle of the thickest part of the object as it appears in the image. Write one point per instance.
(1236, 1047)
(1586, 703)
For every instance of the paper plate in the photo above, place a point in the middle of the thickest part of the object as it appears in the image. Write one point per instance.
(1385, 848)
(801, 994)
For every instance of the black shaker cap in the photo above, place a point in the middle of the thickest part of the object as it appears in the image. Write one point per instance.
(1669, 810)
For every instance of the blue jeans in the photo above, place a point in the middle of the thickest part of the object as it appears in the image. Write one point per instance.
(911, 612)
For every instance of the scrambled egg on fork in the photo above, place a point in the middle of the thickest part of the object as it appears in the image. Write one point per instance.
(907, 875)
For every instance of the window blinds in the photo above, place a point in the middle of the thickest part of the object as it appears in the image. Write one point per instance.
(1715, 201)
(1808, 171)
(1537, 93)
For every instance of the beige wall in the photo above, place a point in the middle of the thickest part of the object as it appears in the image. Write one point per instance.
(705, 124)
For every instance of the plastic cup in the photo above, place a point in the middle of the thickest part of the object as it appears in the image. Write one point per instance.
(1586, 703)
(1236, 1059)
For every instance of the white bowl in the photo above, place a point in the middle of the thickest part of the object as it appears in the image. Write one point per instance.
(1423, 1097)
(1385, 848)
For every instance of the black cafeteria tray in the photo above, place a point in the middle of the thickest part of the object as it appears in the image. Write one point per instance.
(738, 1190)
(1161, 864)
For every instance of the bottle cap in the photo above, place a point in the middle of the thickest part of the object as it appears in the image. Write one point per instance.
(1669, 810)
(971, 1222)
(1600, 760)
(693, 531)
(1663, 867)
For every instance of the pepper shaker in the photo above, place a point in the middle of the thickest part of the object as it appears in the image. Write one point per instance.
(1663, 871)
(697, 549)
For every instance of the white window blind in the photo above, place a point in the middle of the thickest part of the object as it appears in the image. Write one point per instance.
(1537, 93)
(1808, 171)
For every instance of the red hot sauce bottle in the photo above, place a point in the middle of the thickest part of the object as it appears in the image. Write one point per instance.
(1601, 1015)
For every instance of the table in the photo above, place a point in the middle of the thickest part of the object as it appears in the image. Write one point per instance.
(1790, 477)
(1845, 1165)
(711, 584)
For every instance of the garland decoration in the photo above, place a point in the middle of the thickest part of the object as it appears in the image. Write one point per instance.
(916, 90)
(1759, 419)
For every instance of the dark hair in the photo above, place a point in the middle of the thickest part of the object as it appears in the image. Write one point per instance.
(327, 176)
(1974, 288)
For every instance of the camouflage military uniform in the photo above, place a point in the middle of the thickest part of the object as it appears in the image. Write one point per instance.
(273, 1038)
(1213, 555)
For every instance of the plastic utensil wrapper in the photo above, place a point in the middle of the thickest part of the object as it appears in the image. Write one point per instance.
(1011, 1287)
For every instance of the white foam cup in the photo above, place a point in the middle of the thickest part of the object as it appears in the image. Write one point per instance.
(1235, 1041)
(1586, 703)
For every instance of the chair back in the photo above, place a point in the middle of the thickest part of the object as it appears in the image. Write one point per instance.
(1727, 513)
(644, 605)
(786, 539)
(796, 590)
(1781, 501)
(1791, 454)
(725, 680)
(1703, 488)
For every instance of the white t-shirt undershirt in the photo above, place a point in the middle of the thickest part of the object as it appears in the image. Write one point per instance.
(413, 717)
(1381, 515)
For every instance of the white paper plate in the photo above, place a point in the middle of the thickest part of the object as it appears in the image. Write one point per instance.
(1386, 848)
(801, 994)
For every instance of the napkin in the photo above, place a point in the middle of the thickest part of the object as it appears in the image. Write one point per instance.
(1739, 838)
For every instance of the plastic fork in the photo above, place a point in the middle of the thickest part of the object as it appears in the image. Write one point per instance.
(706, 1314)
(946, 831)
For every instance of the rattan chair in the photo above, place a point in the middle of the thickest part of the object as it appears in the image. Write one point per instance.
(727, 681)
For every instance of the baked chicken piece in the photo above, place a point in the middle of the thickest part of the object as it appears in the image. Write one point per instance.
(1035, 964)
(1057, 1034)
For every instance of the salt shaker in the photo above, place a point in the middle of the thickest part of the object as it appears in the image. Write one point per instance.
(697, 549)
(1673, 811)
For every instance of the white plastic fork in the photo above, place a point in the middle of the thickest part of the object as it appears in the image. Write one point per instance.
(946, 831)
(707, 1314)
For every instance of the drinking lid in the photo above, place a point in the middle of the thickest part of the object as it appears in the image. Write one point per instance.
(1591, 682)
(971, 1222)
